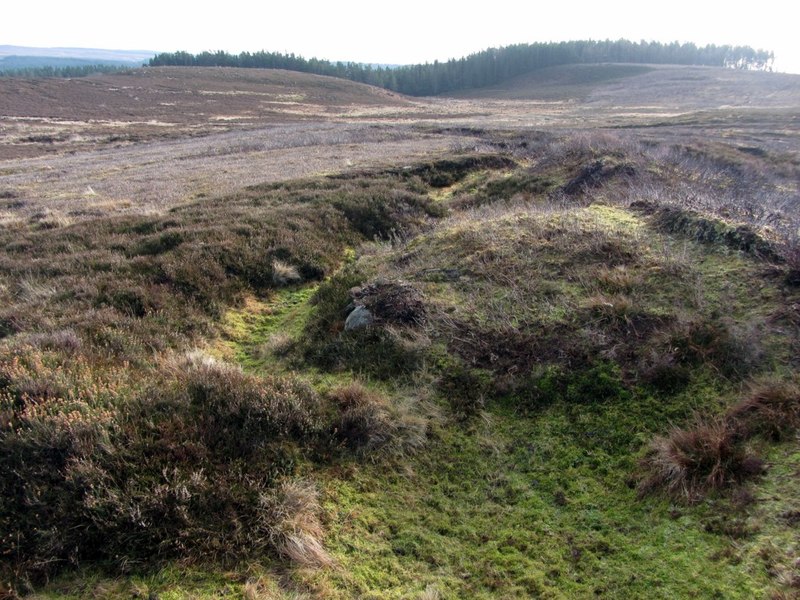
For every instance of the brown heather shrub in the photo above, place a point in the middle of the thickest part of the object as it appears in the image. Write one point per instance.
(31, 375)
(373, 204)
(64, 340)
(661, 372)
(132, 285)
(465, 389)
(9, 325)
(688, 463)
(176, 470)
(238, 414)
(792, 256)
(731, 350)
(364, 424)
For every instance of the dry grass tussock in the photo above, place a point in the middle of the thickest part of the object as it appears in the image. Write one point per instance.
(277, 344)
(689, 463)
(372, 427)
(284, 273)
(770, 409)
(11, 220)
(262, 589)
(431, 592)
(296, 531)
(713, 454)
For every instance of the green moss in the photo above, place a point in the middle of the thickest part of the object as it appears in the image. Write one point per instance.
(520, 508)
(261, 329)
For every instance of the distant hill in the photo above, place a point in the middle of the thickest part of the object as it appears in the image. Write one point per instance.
(49, 62)
(689, 87)
(488, 67)
(92, 55)
(184, 95)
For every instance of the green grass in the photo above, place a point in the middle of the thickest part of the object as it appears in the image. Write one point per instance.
(252, 330)
(516, 507)
(527, 507)
(172, 583)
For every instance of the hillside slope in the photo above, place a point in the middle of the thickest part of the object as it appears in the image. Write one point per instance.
(55, 115)
(686, 87)
(181, 95)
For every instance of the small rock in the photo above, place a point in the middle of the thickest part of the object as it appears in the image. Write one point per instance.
(358, 319)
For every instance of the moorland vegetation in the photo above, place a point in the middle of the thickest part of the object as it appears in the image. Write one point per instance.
(574, 372)
(583, 293)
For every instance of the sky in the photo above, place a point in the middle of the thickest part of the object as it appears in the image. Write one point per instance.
(404, 32)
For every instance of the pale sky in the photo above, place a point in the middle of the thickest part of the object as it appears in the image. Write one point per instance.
(395, 33)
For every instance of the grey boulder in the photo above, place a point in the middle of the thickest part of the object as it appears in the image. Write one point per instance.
(359, 318)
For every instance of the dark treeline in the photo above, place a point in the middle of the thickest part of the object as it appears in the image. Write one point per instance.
(69, 71)
(487, 67)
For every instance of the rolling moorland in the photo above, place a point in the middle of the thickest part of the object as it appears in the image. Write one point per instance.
(576, 372)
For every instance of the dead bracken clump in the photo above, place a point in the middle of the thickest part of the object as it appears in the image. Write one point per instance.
(391, 302)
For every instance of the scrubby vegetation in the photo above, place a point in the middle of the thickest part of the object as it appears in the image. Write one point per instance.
(569, 345)
(114, 450)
